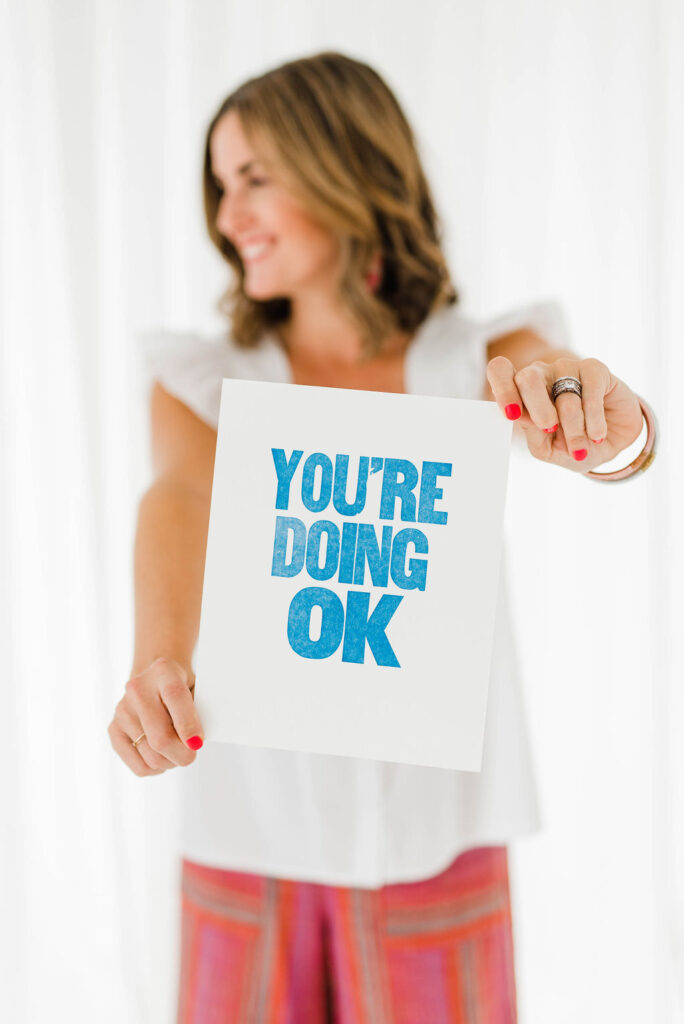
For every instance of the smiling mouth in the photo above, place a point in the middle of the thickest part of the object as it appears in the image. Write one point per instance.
(255, 253)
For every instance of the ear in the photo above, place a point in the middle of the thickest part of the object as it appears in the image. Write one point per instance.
(374, 272)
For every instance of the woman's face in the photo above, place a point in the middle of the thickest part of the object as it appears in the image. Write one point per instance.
(285, 252)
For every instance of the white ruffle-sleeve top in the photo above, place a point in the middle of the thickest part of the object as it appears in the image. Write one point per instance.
(349, 821)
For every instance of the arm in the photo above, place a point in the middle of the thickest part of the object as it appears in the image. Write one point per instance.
(171, 537)
(156, 725)
(170, 547)
(572, 432)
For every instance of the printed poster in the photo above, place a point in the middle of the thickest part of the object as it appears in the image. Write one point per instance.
(352, 573)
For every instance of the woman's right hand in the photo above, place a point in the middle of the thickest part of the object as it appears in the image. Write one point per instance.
(159, 703)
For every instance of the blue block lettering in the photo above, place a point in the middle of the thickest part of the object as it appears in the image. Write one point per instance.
(393, 488)
(284, 471)
(368, 550)
(344, 507)
(429, 492)
(415, 578)
(317, 461)
(313, 550)
(360, 628)
(299, 622)
(348, 552)
(279, 566)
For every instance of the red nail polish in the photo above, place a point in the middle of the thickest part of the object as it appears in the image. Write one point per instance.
(550, 430)
(580, 454)
(598, 440)
(513, 411)
(195, 742)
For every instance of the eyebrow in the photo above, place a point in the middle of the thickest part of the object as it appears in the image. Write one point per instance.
(241, 170)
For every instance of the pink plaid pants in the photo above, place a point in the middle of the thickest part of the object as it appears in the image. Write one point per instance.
(262, 950)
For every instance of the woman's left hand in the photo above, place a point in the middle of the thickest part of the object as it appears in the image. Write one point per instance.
(576, 433)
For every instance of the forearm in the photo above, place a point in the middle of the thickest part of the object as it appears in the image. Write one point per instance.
(170, 549)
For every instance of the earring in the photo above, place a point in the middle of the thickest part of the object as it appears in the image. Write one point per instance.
(374, 274)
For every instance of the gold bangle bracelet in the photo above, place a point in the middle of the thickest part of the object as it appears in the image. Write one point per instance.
(645, 457)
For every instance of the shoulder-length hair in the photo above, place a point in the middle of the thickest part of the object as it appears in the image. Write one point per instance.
(349, 152)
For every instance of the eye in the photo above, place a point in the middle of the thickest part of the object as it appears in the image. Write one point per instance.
(252, 181)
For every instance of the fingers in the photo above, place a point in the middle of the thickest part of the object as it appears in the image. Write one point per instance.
(128, 727)
(180, 705)
(571, 419)
(524, 391)
(526, 394)
(161, 698)
(531, 382)
(129, 754)
(500, 374)
(596, 381)
(581, 418)
(158, 702)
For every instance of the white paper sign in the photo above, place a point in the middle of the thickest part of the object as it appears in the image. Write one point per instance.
(352, 572)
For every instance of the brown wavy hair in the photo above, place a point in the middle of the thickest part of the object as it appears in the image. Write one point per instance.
(351, 158)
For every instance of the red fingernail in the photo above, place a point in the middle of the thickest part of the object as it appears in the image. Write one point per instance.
(550, 430)
(580, 454)
(598, 440)
(513, 411)
(195, 742)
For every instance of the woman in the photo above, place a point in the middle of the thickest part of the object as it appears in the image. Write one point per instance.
(316, 886)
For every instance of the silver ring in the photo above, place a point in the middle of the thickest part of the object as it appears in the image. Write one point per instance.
(564, 384)
(140, 737)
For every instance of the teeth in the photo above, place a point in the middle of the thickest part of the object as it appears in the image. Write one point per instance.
(250, 252)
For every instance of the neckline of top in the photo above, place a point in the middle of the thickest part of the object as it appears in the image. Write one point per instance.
(271, 342)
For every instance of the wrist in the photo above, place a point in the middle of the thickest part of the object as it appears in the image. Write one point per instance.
(145, 659)
(643, 459)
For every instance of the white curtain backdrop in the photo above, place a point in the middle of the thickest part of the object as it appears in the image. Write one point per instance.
(553, 135)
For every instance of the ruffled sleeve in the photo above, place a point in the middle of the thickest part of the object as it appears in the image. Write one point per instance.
(449, 357)
(188, 366)
(546, 318)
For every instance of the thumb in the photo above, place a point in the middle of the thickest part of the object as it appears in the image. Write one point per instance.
(181, 706)
(195, 737)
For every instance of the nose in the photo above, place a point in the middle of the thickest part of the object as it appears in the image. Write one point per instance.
(232, 216)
